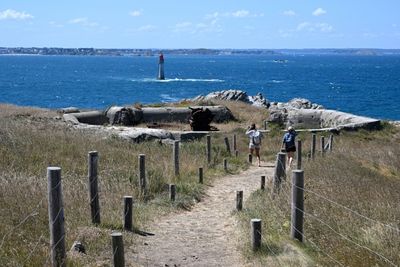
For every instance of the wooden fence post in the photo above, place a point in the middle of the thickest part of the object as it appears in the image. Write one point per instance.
(175, 153)
(239, 200)
(200, 175)
(225, 165)
(208, 138)
(234, 143)
(128, 203)
(265, 125)
(263, 182)
(118, 249)
(250, 158)
(255, 234)
(227, 145)
(142, 174)
(299, 154)
(331, 143)
(56, 217)
(297, 207)
(322, 145)
(280, 171)
(313, 145)
(172, 192)
(93, 187)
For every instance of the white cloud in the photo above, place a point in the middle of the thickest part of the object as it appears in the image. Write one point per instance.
(289, 13)
(84, 22)
(285, 34)
(241, 14)
(146, 28)
(313, 27)
(135, 13)
(201, 25)
(12, 14)
(303, 26)
(319, 11)
(324, 27)
(212, 15)
(183, 26)
(235, 14)
(55, 24)
(370, 35)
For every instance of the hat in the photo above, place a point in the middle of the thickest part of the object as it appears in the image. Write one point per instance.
(290, 128)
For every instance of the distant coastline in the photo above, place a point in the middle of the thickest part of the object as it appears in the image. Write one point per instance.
(199, 51)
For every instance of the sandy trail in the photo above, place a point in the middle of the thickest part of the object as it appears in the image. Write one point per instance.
(206, 235)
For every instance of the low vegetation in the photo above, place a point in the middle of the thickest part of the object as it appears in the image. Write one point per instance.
(352, 215)
(33, 139)
(351, 206)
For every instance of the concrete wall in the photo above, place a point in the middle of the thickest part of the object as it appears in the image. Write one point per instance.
(146, 115)
(89, 117)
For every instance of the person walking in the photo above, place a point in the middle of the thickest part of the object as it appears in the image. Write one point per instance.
(255, 137)
(288, 143)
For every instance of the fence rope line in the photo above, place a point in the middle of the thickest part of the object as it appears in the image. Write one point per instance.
(32, 214)
(270, 249)
(318, 248)
(347, 238)
(347, 208)
(34, 248)
(342, 206)
(350, 210)
(52, 248)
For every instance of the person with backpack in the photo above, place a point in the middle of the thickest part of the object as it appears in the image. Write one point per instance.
(288, 143)
(255, 137)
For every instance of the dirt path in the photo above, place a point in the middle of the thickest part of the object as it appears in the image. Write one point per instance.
(206, 235)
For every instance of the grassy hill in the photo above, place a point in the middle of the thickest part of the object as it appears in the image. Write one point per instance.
(362, 174)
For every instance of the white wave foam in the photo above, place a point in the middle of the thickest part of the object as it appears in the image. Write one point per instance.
(153, 80)
(277, 81)
(168, 98)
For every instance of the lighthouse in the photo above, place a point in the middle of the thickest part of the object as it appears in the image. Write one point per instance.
(161, 67)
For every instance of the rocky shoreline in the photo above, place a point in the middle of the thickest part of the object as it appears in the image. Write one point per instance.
(298, 112)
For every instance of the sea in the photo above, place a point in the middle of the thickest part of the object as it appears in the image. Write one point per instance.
(362, 85)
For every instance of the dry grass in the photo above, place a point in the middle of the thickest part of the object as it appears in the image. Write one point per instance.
(31, 140)
(363, 174)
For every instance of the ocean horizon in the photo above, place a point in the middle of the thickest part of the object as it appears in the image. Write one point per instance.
(362, 85)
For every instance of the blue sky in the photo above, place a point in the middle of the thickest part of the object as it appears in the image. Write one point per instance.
(201, 24)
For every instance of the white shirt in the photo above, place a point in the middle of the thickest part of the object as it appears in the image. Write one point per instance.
(254, 134)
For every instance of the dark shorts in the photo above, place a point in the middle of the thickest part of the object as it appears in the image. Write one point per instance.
(290, 149)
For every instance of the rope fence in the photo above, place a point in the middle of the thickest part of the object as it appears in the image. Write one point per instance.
(280, 181)
(57, 257)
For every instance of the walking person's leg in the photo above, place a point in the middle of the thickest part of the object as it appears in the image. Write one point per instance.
(290, 158)
(257, 149)
(251, 150)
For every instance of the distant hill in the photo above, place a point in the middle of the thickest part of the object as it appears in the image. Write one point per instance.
(198, 51)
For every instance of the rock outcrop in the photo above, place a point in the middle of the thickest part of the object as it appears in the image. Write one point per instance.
(303, 114)
(330, 119)
(279, 111)
(235, 95)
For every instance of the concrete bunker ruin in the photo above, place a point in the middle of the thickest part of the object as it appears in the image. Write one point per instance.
(119, 121)
(128, 116)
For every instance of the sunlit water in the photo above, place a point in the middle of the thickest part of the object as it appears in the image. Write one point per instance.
(363, 85)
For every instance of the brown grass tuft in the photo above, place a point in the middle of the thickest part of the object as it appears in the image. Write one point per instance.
(33, 139)
(362, 174)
